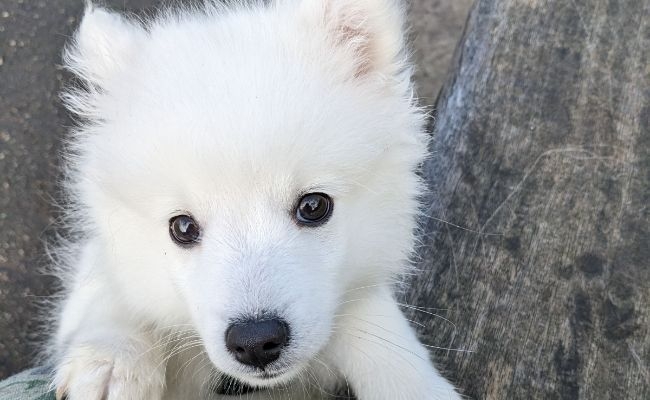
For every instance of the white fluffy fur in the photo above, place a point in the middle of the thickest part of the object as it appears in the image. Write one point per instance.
(231, 114)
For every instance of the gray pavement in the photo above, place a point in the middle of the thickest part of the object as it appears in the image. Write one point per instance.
(32, 124)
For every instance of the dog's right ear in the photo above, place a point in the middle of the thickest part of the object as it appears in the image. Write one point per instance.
(103, 44)
(371, 32)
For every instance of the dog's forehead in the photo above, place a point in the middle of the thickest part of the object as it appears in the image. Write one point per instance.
(266, 123)
(207, 111)
(273, 141)
(199, 154)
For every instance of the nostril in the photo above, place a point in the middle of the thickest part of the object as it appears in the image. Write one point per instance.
(270, 346)
(240, 349)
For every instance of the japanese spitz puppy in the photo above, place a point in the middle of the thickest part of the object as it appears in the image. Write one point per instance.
(244, 187)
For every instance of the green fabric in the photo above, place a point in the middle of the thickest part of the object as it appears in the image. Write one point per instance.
(32, 384)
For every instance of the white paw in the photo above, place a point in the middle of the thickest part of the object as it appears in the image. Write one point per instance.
(94, 373)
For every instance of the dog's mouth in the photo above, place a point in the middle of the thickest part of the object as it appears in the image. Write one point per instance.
(270, 375)
(231, 386)
(269, 378)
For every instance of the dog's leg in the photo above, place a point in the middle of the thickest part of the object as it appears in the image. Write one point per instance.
(378, 352)
(101, 354)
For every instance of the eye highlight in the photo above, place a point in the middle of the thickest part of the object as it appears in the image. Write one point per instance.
(184, 230)
(314, 209)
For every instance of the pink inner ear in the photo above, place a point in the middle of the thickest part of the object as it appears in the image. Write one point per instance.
(359, 41)
(351, 31)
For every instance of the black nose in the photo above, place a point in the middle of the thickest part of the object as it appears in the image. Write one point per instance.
(257, 343)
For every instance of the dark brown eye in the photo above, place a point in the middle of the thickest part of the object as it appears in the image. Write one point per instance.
(184, 230)
(314, 209)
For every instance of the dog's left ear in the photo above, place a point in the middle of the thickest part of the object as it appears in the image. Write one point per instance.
(370, 32)
(103, 44)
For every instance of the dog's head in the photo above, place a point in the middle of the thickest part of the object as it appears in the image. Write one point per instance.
(245, 169)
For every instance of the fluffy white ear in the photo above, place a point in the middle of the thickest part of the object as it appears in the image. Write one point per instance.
(103, 44)
(371, 31)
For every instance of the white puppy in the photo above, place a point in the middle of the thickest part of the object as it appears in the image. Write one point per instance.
(245, 191)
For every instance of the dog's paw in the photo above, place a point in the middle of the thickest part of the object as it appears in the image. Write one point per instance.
(91, 373)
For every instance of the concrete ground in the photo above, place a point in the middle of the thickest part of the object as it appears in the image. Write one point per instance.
(32, 124)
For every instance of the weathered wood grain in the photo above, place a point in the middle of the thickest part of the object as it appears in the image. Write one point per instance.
(541, 168)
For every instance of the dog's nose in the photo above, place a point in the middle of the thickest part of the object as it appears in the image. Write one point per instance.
(257, 343)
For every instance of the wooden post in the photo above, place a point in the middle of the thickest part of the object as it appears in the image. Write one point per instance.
(536, 256)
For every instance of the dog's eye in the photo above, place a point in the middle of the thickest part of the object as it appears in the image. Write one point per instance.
(314, 209)
(184, 230)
